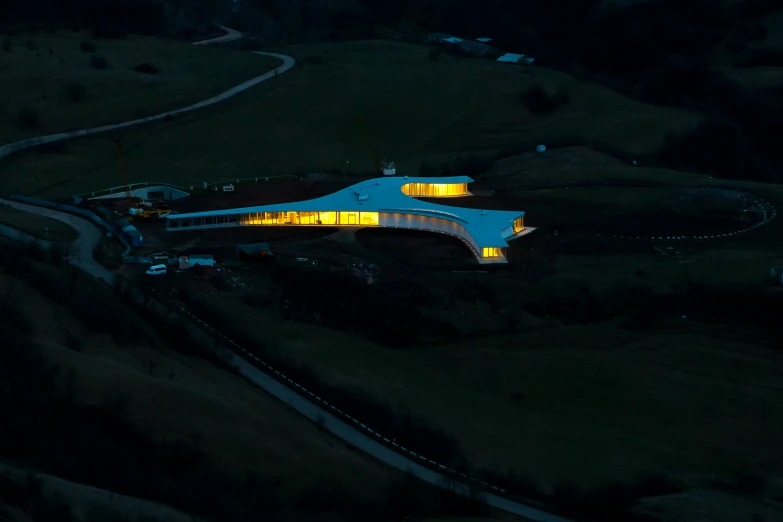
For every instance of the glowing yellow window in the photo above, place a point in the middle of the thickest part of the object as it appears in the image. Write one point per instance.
(328, 218)
(349, 218)
(308, 218)
(369, 218)
(518, 225)
(491, 252)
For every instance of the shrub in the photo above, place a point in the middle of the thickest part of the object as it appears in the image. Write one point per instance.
(16, 319)
(99, 316)
(88, 47)
(99, 62)
(109, 32)
(76, 92)
(712, 147)
(752, 483)
(761, 57)
(540, 103)
(8, 45)
(52, 509)
(562, 97)
(736, 47)
(146, 68)
(323, 497)
(435, 54)
(759, 8)
(567, 497)
(221, 283)
(74, 342)
(27, 118)
(55, 288)
(428, 170)
(315, 60)
(470, 165)
(657, 484)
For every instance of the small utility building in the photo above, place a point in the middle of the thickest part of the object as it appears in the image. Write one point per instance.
(382, 202)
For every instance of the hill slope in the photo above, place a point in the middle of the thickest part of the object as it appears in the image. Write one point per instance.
(51, 84)
(415, 109)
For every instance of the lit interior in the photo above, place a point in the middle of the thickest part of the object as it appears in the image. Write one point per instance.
(492, 252)
(435, 190)
(518, 225)
(328, 218)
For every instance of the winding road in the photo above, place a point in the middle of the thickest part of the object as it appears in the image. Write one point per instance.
(90, 235)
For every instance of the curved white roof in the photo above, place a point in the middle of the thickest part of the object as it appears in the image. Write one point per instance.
(385, 195)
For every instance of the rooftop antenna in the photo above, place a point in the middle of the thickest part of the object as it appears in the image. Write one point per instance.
(389, 169)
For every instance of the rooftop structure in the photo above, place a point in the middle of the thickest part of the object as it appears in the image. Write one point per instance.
(382, 202)
(515, 58)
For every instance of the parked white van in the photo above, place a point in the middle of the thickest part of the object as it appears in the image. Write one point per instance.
(157, 270)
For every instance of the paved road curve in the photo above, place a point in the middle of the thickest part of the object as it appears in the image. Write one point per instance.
(288, 63)
(90, 235)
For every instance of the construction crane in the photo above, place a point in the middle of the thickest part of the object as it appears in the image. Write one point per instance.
(122, 168)
(387, 169)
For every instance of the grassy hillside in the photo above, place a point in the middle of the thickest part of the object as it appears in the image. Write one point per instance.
(51, 84)
(38, 226)
(105, 402)
(415, 110)
(171, 397)
(619, 360)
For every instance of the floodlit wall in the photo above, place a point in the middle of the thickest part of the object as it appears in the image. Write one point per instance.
(430, 224)
(435, 190)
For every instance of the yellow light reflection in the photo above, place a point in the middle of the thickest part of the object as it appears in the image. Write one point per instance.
(328, 218)
(435, 190)
(519, 225)
(491, 252)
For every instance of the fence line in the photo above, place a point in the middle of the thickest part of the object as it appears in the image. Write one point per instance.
(111, 190)
(73, 210)
(131, 186)
(307, 394)
(23, 237)
(766, 217)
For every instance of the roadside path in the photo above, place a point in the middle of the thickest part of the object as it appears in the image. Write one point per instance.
(288, 63)
(90, 235)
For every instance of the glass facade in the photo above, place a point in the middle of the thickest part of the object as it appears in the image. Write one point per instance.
(519, 225)
(435, 190)
(492, 252)
(310, 218)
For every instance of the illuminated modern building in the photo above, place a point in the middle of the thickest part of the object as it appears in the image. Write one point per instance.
(384, 202)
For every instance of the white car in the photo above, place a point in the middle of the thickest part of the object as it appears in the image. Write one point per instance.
(157, 270)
